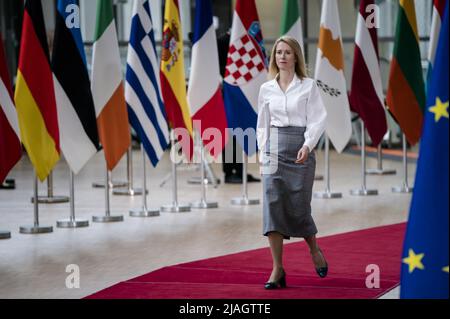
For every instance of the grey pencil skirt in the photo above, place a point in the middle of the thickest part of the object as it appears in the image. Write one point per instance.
(287, 186)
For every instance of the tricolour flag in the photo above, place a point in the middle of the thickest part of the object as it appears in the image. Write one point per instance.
(366, 97)
(143, 89)
(406, 89)
(438, 12)
(173, 79)
(76, 111)
(330, 76)
(205, 94)
(291, 22)
(108, 89)
(10, 148)
(425, 253)
(35, 95)
(246, 71)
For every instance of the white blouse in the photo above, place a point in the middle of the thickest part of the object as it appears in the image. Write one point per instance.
(300, 106)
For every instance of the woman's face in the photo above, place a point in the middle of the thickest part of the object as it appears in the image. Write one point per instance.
(285, 57)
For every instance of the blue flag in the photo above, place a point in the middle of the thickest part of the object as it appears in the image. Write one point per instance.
(425, 255)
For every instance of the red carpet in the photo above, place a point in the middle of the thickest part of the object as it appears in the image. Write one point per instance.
(242, 275)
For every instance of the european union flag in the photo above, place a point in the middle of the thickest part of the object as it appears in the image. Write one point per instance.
(425, 255)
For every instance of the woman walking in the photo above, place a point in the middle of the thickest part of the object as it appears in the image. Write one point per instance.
(291, 120)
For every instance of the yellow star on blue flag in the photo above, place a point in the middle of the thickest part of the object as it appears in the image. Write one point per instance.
(427, 231)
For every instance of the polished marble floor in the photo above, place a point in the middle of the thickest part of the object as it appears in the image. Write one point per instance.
(34, 266)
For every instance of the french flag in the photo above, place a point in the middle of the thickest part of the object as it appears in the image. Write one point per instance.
(204, 94)
(246, 72)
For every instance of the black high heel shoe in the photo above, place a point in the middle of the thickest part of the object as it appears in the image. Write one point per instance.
(280, 283)
(322, 271)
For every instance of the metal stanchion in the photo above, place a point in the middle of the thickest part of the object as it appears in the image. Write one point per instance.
(203, 204)
(72, 222)
(5, 235)
(327, 194)
(244, 200)
(107, 218)
(36, 229)
(405, 188)
(363, 191)
(51, 199)
(144, 212)
(175, 207)
(129, 191)
(379, 170)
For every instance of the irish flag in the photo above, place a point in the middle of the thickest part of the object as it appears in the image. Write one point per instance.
(108, 89)
(406, 91)
(291, 23)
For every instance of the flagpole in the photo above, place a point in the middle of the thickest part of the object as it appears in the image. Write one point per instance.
(175, 207)
(244, 200)
(203, 204)
(107, 218)
(379, 170)
(130, 190)
(36, 229)
(405, 188)
(144, 212)
(327, 194)
(363, 191)
(72, 222)
(50, 198)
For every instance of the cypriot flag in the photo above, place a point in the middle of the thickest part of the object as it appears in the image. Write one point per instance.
(330, 76)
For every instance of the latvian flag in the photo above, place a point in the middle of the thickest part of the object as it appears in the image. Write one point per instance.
(10, 149)
(246, 71)
(438, 15)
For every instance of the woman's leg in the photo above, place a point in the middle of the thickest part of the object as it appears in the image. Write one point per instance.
(316, 253)
(276, 248)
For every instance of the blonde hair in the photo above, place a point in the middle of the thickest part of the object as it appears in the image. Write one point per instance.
(300, 65)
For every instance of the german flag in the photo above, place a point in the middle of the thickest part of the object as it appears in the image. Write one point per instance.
(406, 89)
(35, 96)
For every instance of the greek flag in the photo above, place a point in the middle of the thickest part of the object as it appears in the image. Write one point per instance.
(143, 89)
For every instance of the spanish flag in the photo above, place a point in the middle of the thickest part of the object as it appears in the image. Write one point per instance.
(406, 91)
(173, 79)
(35, 96)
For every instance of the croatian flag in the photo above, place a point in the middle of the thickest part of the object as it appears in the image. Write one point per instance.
(245, 73)
(205, 95)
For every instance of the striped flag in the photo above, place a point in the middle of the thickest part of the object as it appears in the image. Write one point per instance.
(367, 98)
(76, 111)
(205, 94)
(173, 79)
(291, 23)
(10, 148)
(35, 95)
(142, 89)
(330, 76)
(246, 71)
(406, 89)
(438, 12)
(107, 87)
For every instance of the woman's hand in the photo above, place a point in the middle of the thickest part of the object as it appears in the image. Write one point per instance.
(303, 155)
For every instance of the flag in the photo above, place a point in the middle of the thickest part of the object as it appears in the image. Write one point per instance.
(173, 80)
(205, 93)
(246, 71)
(35, 95)
(291, 22)
(107, 87)
(10, 148)
(330, 76)
(438, 12)
(76, 111)
(366, 97)
(143, 89)
(425, 253)
(406, 89)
